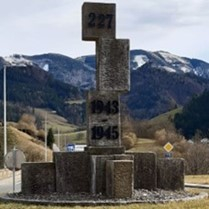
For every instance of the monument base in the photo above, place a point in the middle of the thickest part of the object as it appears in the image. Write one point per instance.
(104, 150)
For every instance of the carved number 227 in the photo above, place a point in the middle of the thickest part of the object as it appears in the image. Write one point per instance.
(100, 20)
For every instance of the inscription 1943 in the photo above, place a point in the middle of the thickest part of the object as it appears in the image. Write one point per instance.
(109, 107)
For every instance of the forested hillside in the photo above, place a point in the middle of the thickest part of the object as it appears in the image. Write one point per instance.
(33, 87)
(194, 118)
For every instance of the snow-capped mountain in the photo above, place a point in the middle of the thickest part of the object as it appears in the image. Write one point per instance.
(63, 68)
(161, 60)
(17, 60)
(66, 69)
(160, 81)
(169, 62)
(80, 72)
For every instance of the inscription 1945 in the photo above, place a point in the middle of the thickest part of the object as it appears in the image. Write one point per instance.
(99, 132)
(100, 20)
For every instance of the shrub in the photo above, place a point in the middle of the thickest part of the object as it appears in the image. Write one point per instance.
(41, 134)
(178, 141)
(163, 136)
(129, 140)
(27, 124)
(197, 159)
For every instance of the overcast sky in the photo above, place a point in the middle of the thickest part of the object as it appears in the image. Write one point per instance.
(42, 26)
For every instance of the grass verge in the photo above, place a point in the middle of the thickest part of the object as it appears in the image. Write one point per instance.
(197, 179)
(198, 204)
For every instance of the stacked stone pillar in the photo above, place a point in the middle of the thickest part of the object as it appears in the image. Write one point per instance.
(112, 77)
(103, 104)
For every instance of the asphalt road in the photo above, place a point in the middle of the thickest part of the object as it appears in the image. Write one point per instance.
(6, 184)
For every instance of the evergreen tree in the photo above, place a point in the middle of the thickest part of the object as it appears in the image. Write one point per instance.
(50, 138)
(194, 117)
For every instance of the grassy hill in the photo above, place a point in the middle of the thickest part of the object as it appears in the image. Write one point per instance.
(148, 128)
(66, 133)
(165, 117)
(55, 121)
(32, 148)
(146, 145)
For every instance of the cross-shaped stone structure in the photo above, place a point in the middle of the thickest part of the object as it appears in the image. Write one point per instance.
(112, 76)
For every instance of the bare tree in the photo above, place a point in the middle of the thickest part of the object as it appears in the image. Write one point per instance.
(197, 159)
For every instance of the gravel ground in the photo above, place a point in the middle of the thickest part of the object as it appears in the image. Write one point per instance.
(139, 196)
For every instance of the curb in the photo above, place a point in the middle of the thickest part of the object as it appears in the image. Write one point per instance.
(201, 186)
(5, 198)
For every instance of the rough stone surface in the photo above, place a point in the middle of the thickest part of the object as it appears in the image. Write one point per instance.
(98, 174)
(38, 178)
(170, 173)
(98, 20)
(103, 110)
(104, 150)
(145, 170)
(124, 157)
(73, 172)
(113, 72)
(119, 178)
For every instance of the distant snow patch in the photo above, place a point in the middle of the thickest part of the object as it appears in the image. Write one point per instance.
(185, 69)
(81, 59)
(43, 65)
(169, 69)
(197, 71)
(89, 67)
(17, 60)
(171, 58)
(46, 67)
(140, 60)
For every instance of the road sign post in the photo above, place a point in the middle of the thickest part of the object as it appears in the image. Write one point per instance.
(13, 161)
(71, 147)
(168, 147)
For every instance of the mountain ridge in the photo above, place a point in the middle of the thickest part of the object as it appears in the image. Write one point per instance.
(160, 81)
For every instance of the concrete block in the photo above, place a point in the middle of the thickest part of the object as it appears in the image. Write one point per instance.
(119, 178)
(98, 20)
(98, 172)
(103, 125)
(38, 178)
(145, 170)
(73, 172)
(93, 150)
(113, 73)
(124, 157)
(170, 173)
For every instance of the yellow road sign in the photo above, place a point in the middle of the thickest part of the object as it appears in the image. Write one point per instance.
(168, 147)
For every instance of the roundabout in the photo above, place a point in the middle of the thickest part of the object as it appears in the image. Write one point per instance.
(85, 199)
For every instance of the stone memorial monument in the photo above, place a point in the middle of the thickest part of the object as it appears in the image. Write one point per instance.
(104, 167)
(112, 78)
(103, 104)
